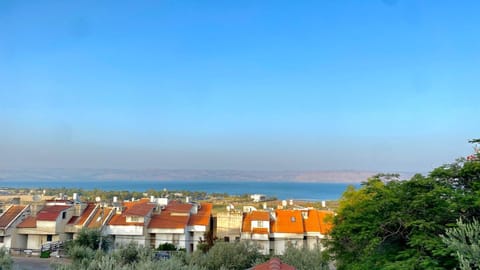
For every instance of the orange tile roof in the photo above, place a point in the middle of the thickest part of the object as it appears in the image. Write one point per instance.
(326, 221)
(166, 221)
(121, 220)
(100, 216)
(287, 221)
(51, 213)
(260, 230)
(29, 222)
(138, 208)
(311, 223)
(178, 207)
(251, 216)
(317, 221)
(274, 264)
(8, 216)
(202, 218)
(86, 213)
(260, 215)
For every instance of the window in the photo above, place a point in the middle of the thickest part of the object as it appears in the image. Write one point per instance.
(259, 223)
(226, 239)
(1, 239)
(134, 219)
(49, 238)
(64, 215)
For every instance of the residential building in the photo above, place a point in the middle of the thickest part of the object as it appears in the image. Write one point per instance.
(47, 226)
(9, 219)
(129, 223)
(256, 228)
(274, 230)
(181, 224)
(228, 225)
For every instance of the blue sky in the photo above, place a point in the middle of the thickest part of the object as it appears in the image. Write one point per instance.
(252, 85)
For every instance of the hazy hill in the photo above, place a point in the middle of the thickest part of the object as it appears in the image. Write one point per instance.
(158, 174)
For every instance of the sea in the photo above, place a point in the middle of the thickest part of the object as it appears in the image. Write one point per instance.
(281, 190)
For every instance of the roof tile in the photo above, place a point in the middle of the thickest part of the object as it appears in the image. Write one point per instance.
(8, 216)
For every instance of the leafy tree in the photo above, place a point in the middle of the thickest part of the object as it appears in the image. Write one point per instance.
(91, 238)
(396, 224)
(464, 240)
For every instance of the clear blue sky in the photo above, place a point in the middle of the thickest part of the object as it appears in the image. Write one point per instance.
(387, 85)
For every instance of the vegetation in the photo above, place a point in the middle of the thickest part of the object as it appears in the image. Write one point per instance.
(223, 256)
(393, 224)
(91, 239)
(6, 261)
(305, 259)
(465, 242)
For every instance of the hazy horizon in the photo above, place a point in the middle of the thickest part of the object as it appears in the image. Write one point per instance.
(383, 86)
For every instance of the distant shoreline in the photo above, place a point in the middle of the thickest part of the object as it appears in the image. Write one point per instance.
(341, 176)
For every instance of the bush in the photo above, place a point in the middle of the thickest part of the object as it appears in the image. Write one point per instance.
(6, 261)
(305, 259)
(239, 255)
(167, 247)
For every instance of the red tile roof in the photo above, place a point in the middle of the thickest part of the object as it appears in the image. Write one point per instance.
(287, 221)
(8, 216)
(202, 218)
(138, 208)
(121, 220)
(251, 216)
(166, 221)
(178, 207)
(86, 213)
(51, 213)
(29, 222)
(72, 220)
(274, 264)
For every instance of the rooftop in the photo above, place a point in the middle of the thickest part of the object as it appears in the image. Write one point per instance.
(202, 218)
(51, 213)
(287, 221)
(139, 208)
(8, 216)
(166, 221)
(29, 222)
(86, 213)
(273, 264)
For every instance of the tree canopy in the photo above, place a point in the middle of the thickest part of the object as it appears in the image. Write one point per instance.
(397, 224)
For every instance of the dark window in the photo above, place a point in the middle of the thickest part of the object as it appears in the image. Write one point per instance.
(64, 215)
(226, 239)
(1, 239)
(49, 238)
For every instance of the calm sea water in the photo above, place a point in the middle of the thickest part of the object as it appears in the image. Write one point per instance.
(281, 190)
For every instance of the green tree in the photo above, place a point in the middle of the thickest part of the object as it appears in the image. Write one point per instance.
(91, 238)
(396, 224)
(464, 240)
